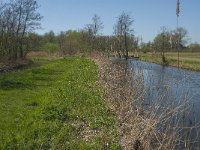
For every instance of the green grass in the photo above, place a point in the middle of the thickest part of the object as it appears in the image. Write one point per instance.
(186, 60)
(55, 104)
(48, 47)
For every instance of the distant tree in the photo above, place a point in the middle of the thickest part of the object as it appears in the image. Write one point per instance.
(97, 25)
(167, 40)
(93, 31)
(50, 37)
(61, 39)
(181, 36)
(123, 30)
(194, 47)
(161, 42)
(146, 47)
(136, 42)
(89, 36)
(35, 41)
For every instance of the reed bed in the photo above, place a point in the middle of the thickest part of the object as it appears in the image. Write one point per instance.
(141, 126)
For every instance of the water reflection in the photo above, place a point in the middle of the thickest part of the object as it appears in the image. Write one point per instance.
(170, 86)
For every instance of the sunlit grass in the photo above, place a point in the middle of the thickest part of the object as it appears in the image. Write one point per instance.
(186, 60)
(55, 104)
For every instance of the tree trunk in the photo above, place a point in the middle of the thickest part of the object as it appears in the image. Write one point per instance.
(125, 42)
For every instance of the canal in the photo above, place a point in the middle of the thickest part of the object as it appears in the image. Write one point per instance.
(169, 87)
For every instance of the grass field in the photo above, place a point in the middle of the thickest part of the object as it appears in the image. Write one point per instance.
(187, 60)
(55, 104)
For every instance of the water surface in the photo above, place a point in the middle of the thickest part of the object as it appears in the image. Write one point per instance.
(168, 84)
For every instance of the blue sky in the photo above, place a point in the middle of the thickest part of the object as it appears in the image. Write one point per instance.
(149, 15)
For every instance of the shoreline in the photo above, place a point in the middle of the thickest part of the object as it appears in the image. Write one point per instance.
(137, 126)
(171, 65)
(118, 96)
(184, 63)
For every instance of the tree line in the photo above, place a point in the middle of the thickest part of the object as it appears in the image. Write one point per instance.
(121, 42)
(19, 19)
(90, 39)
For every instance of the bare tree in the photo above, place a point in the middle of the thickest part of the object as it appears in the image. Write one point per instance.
(165, 42)
(94, 30)
(97, 25)
(29, 20)
(18, 18)
(123, 31)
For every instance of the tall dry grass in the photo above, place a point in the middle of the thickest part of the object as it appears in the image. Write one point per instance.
(141, 126)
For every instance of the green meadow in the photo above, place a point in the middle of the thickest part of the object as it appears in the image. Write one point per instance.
(55, 104)
(187, 60)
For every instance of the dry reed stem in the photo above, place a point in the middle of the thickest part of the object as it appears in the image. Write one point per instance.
(141, 128)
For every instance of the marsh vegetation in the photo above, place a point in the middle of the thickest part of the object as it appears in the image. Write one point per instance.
(80, 89)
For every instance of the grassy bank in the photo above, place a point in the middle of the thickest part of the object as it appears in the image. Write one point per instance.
(56, 104)
(187, 60)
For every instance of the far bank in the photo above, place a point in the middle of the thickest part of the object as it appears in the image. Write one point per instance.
(187, 60)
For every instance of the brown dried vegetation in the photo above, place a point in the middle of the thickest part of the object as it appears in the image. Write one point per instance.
(140, 127)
